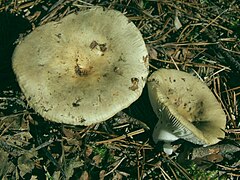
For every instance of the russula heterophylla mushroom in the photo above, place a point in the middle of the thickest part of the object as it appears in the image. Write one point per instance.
(186, 108)
(84, 68)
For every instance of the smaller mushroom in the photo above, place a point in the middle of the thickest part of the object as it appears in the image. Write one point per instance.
(186, 108)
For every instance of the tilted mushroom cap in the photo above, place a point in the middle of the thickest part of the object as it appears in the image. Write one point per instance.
(186, 108)
(84, 68)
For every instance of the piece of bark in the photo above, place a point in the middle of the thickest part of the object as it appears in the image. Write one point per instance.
(222, 149)
(214, 153)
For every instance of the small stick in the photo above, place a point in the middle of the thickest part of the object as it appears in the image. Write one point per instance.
(139, 131)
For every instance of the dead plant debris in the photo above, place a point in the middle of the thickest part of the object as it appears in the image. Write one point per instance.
(199, 36)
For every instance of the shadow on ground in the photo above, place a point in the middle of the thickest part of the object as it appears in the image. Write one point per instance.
(11, 27)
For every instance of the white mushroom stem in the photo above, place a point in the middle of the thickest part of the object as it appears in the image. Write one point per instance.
(167, 148)
(161, 132)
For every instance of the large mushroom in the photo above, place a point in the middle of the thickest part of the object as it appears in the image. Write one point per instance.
(84, 68)
(186, 108)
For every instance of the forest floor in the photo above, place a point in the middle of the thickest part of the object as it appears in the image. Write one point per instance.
(197, 36)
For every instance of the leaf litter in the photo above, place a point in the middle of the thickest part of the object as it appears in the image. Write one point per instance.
(200, 37)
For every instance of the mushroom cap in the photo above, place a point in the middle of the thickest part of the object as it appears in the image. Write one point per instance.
(84, 68)
(186, 108)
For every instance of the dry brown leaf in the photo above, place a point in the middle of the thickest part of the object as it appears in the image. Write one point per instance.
(181, 55)
(214, 158)
(73, 142)
(34, 177)
(69, 133)
(20, 139)
(57, 175)
(25, 163)
(4, 162)
(67, 148)
(10, 123)
(89, 151)
(71, 165)
(102, 174)
(152, 52)
(177, 23)
(97, 160)
(84, 176)
(117, 176)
